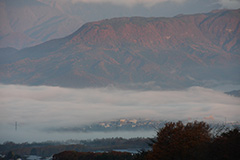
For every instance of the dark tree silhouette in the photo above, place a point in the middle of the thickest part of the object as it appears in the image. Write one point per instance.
(141, 155)
(226, 146)
(72, 155)
(177, 141)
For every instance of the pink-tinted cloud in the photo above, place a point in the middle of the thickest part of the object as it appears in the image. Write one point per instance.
(230, 4)
(147, 3)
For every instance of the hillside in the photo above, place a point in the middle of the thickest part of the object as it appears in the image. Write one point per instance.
(31, 22)
(175, 52)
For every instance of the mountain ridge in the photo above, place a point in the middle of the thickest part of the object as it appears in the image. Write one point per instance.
(175, 52)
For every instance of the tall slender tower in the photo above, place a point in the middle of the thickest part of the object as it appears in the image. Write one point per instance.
(16, 126)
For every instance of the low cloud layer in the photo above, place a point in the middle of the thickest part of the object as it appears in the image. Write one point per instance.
(45, 107)
(230, 4)
(148, 3)
(50, 105)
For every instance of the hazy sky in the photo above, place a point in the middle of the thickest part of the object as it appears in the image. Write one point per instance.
(39, 108)
(91, 10)
(150, 3)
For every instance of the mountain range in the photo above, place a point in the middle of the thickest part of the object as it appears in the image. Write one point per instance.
(27, 23)
(177, 52)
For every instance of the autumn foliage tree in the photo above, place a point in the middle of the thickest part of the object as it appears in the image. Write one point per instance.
(177, 141)
(226, 146)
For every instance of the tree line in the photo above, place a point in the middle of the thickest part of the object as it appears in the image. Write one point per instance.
(176, 141)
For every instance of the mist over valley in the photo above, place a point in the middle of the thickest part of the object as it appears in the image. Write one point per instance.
(105, 75)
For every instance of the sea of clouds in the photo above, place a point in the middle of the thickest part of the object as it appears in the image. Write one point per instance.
(42, 107)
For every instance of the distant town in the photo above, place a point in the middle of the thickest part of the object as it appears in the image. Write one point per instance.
(125, 124)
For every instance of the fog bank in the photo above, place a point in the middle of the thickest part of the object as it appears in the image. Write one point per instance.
(41, 107)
